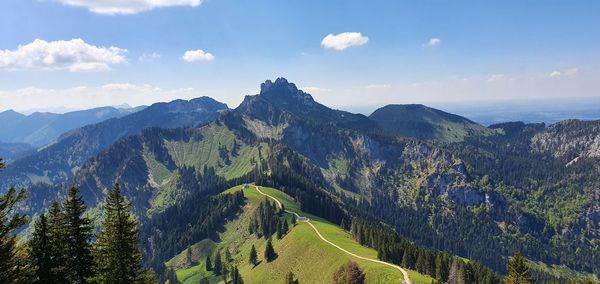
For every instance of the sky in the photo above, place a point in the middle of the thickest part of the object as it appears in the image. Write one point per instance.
(60, 55)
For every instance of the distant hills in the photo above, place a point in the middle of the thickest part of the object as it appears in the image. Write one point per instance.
(55, 163)
(11, 151)
(41, 128)
(438, 179)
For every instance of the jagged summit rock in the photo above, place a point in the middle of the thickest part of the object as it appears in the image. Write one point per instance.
(281, 91)
(280, 100)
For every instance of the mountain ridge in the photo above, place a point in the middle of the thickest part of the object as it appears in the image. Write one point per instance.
(464, 197)
(40, 128)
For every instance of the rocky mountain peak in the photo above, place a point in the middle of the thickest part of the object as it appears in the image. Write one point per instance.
(282, 91)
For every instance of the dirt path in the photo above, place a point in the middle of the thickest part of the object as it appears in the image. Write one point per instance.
(307, 220)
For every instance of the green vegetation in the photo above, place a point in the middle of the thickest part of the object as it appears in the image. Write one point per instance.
(518, 271)
(212, 146)
(427, 123)
(116, 252)
(349, 273)
(61, 251)
(300, 251)
(542, 272)
(11, 262)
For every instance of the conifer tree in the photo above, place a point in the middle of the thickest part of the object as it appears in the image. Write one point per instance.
(282, 210)
(228, 255)
(289, 278)
(40, 252)
(270, 254)
(224, 273)
(253, 257)
(208, 263)
(188, 257)
(279, 231)
(236, 278)
(58, 242)
(441, 268)
(78, 234)
(11, 265)
(171, 276)
(117, 253)
(518, 272)
(218, 264)
(286, 227)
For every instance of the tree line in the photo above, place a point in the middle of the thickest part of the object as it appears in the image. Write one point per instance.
(268, 220)
(439, 265)
(63, 247)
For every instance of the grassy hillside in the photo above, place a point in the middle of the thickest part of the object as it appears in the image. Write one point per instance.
(211, 146)
(427, 123)
(300, 251)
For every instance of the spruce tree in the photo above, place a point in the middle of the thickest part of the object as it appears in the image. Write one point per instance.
(171, 276)
(282, 210)
(40, 252)
(11, 264)
(270, 254)
(236, 278)
(253, 257)
(208, 263)
(518, 272)
(78, 235)
(228, 255)
(224, 273)
(58, 242)
(218, 264)
(285, 227)
(117, 253)
(441, 268)
(279, 231)
(289, 278)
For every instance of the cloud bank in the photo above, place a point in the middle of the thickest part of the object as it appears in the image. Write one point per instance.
(85, 97)
(73, 55)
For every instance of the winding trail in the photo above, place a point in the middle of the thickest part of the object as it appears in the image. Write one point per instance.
(307, 220)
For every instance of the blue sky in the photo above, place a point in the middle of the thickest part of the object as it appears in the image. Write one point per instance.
(479, 51)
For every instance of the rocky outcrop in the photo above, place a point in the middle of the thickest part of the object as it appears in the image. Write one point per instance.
(569, 139)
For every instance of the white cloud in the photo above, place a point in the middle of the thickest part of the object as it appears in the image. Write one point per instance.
(433, 42)
(127, 7)
(569, 73)
(84, 97)
(344, 40)
(198, 55)
(73, 55)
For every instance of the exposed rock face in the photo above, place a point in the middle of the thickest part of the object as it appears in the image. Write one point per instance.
(569, 139)
(466, 196)
(281, 88)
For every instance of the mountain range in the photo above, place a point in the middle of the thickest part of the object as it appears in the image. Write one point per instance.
(437, 179)
(41, 128)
